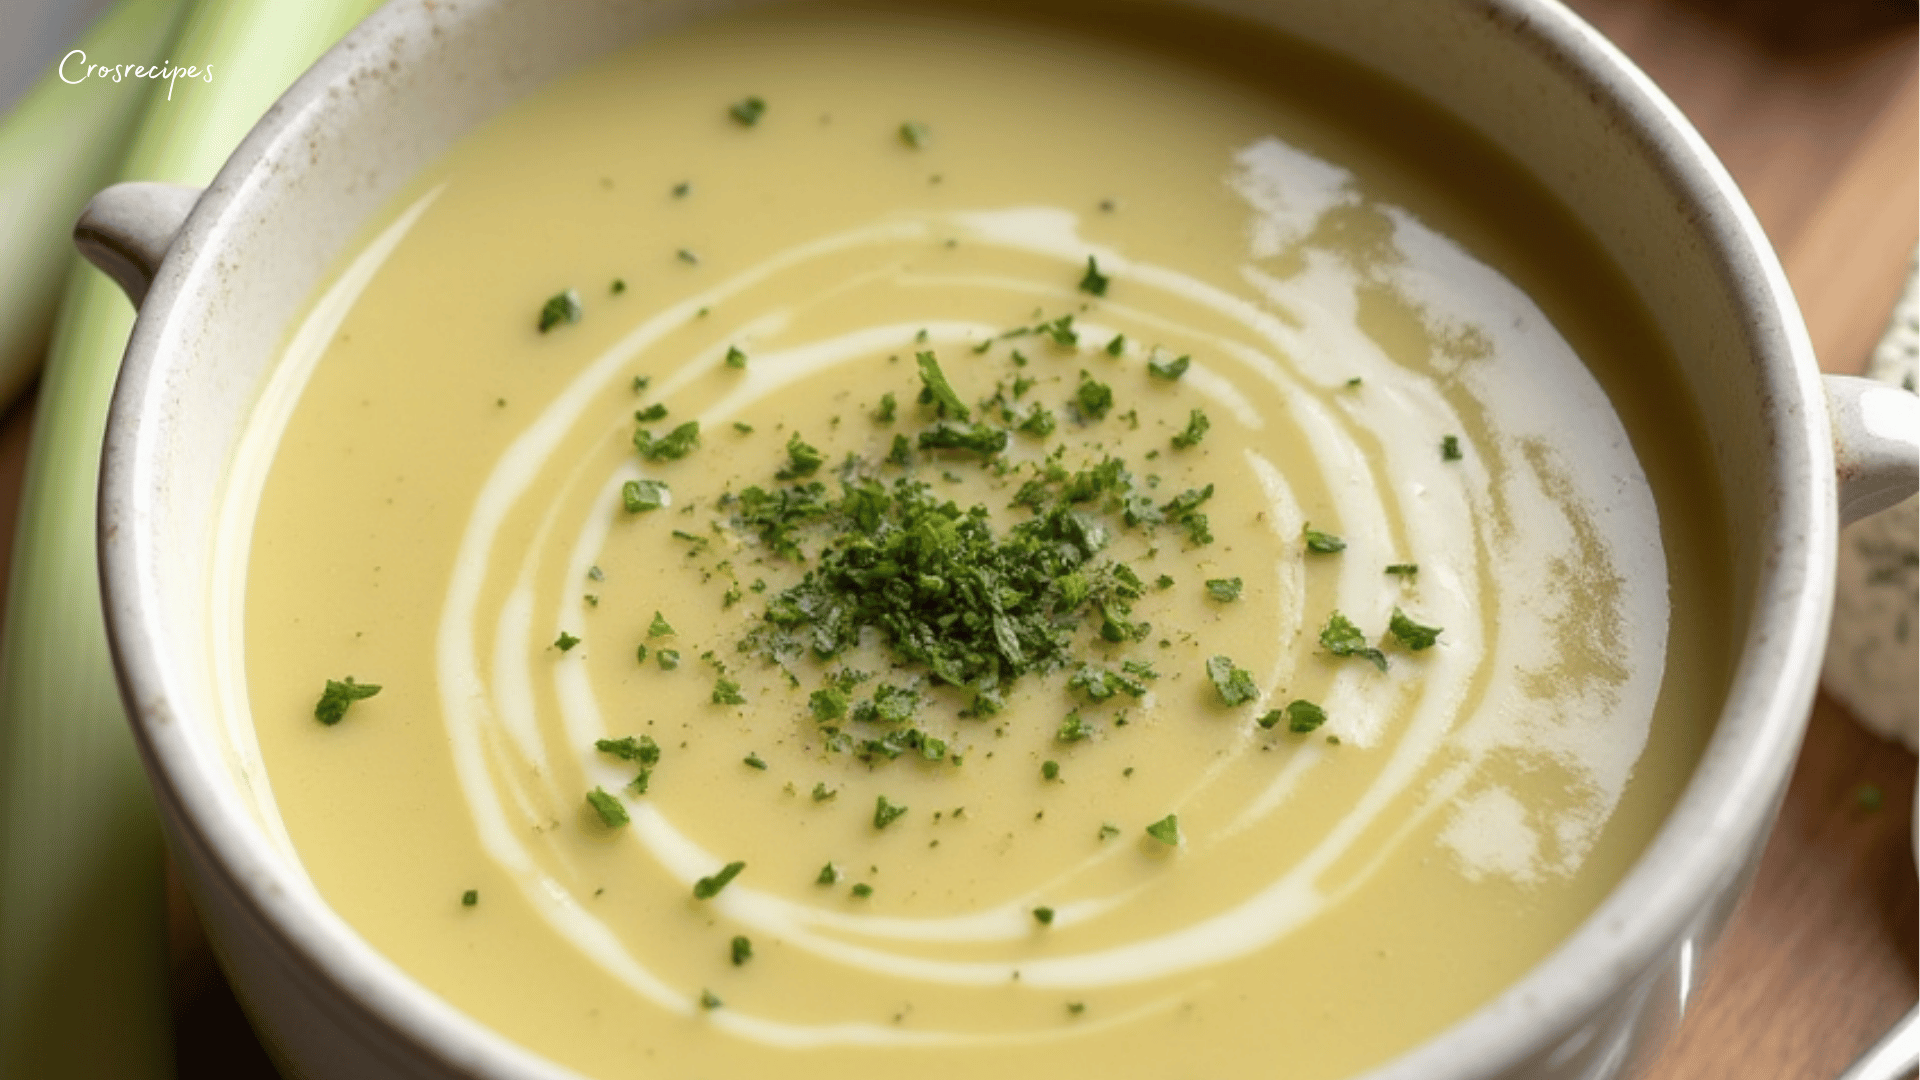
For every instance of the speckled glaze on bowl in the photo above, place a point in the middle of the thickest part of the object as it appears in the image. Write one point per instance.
(401, 88)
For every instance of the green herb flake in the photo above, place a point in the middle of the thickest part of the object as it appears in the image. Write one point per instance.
(641, 749)
(338, 696)
(710, 1000)
(682, 189)
(642, 654)
(668, 659)
(886, 813)
(741, 950)
(828, 875)
(828, 704)
(981, 439)
(938, 390)
(743, 427)
(727, 692)
(915, 134)
(1094, 398)
(1224, 589)
(1075, 1008)
(1118, 346)
(1197, 425)
(1073, 729)
(613, 813)
(1450, 448)
(1270, 719)
(861, 891)
(822, 793)
(1235, 684)
(470, 898)
(736, 358)
(1404, 569)
(1342, 638)
(561, 307)
(651, 414)
(639, 496)
(1093, 281)
(1050, 770)
(754, 761)
(673, 446)
(660, 627)
(1166, 830)
(709, 887)
(1108, 830)
(565, 641)
(1304, 717)
(1411, 634)
(802, 459)
(687, 257)
(747, 111)
(1168, 370)
(1043, 916)
(888, 408)
(1321, 543)
(619, 286)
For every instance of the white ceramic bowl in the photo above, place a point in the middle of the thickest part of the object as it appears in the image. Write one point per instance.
(399, 90)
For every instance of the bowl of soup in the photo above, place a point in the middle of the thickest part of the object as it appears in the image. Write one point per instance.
(659, 539)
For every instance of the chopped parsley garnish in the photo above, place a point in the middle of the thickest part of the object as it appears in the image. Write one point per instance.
(1118, 346)
(338, 696)
(886, 813)
(736, 358)
(1093, 398)
(754, 761)
(743, 427)
(470, 898)
(1411, 634)
(709, 887)
(861, 891)
(1183, 510)
(828, 875)
(673, 446)
(741, 950)
(1224, 589)
(710, 1000)
(1167, 370)
(828, 704)
(1043, 916)
(613, 813)
(1197, 425)
(640, 749)
(1093, 281)
(937, 390)
(888, 408)
(1235, 684)
(1073, 729)
(1050, 770)
(1304, 717)
(1404, 569)
(651, 414)
(1321, 543)
(619, 286)
(660, 627)
(747, 111)
(915, 134)
(1166, 830)
(802, 459)
(642, 495)
(1341, 638)
(668, 659)
(682, 189)
(727, 692)
(821, 792)
(1100, 684)
(561, 307)
(1108, 830)
(1038, 422)
(687, 257)
(565, 641)
(980, 439)
(1060, 331)
(1450, 448)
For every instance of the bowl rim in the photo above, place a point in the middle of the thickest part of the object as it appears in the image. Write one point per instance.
(1703, 847)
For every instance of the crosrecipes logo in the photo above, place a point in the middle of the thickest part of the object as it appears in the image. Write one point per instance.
(74, 69)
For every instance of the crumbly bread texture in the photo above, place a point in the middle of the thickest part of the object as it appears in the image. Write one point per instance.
(1873, 655)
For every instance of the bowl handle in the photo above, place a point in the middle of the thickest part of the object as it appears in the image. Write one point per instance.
(1876, 443)
(126, 230)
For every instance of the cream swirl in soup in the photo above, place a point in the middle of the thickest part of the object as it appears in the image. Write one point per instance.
(956, 541)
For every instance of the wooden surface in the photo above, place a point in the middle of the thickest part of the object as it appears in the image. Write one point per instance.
(1812, 105)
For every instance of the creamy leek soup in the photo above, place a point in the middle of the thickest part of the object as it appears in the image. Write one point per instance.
(953, 542)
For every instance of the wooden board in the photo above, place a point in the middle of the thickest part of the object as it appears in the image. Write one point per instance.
(1812, 105)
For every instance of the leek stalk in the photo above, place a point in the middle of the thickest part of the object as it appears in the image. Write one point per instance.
(83, 960)
(58, 146)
